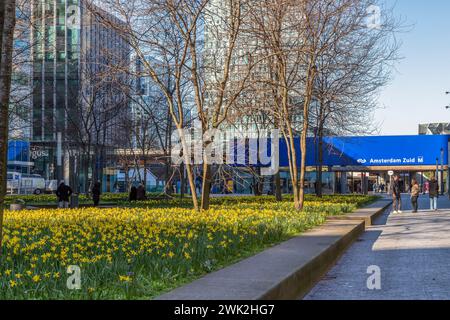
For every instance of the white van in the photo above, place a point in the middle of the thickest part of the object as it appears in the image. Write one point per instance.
(12, 182)
(20, 183)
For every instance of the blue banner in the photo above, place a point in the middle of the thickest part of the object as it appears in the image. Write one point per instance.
(376, 151)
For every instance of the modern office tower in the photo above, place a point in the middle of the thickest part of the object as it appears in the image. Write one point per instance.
(251, 64)
(20, 101)
(73, 55)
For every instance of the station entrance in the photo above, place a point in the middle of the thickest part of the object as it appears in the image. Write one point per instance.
(379, 182)
(364, 164)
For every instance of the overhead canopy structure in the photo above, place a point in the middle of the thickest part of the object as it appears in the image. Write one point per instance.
(376, 153)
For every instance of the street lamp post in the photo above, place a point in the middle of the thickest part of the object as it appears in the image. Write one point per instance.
(448, 172)
(447, 107)
(437, 168)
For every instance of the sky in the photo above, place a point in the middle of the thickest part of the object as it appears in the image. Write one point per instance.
(417, 92)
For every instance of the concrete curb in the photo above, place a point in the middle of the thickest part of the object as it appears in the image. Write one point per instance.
(304, 278)
(368, 214)
(287, 271)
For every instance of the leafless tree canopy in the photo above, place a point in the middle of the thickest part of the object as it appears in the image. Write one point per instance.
(303, 65)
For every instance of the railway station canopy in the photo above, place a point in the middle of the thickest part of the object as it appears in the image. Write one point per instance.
(374, 153)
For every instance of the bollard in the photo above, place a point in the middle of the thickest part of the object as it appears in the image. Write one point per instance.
(74, 201)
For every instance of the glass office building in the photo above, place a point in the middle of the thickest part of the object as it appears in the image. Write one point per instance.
(55, 76)
(67, 38)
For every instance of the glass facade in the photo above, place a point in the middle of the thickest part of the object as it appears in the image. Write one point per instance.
(55, 74)
(69, 42)
(18, 156)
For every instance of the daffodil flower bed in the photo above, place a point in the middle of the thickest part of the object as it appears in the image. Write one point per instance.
(158, 200)
(134, 253)
(51, 198)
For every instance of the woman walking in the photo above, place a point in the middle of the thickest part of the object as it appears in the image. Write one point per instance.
(415, 191)
(96, 193)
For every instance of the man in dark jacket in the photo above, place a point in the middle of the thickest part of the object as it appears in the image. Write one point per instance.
(133, 194)
(63, 193)
(141, 192)
(397, 195)
(96, 193)
(434, 193)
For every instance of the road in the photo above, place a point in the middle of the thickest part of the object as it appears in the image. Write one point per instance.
(412, 252)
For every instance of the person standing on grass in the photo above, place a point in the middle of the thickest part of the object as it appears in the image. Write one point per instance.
(133, 194)
(198, 184)
(433, 190)
(396, 194)
(141, 192)
(415, 192)
(96, 193)
(63, 193)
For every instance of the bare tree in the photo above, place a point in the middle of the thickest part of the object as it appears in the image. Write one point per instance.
(303, 40)
(155, 41)
(169, 37)
(279, 32)
(350, 74)
(151, 110)
(93, 120)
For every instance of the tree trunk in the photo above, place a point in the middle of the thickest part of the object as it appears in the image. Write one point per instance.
(207, 183)
(168, 175)
(189, 171)
(278, 193)
(320, 167)
(292, 155)
(258, 178)
(144, 164)
(182, 182)
(7, 25)
(308, 97)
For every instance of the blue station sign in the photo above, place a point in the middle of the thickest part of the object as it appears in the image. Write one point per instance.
(375, 151)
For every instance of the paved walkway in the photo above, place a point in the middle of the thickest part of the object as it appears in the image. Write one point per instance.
(411, 250)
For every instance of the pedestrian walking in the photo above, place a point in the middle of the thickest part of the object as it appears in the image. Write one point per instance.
(63, 193)
(415, 192)
(96, 193)
(396, 195)
(198, 184)
(426, 189)
(133, 194)
(140, 194)
(116, 188)
(433, 190)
